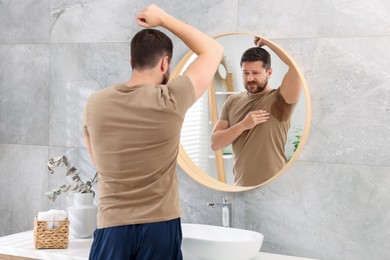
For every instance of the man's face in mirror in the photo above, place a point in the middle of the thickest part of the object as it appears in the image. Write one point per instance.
(255, 77)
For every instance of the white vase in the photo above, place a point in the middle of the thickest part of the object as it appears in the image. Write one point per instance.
(82, 215)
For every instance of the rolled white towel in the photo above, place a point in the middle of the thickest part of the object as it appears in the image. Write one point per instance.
(58, 215)
(46, 216)
(52, 217)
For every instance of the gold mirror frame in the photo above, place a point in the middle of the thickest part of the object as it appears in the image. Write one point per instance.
(195, 172)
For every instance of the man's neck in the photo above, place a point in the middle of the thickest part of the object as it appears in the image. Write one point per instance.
(265, 90)
(143, 77)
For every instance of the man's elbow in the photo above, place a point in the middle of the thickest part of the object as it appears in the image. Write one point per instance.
(214, 145)
(216, 51)
(219, 50)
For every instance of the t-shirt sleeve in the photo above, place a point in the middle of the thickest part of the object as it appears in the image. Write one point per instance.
(281, 109)
(225, 109)
(182, 92)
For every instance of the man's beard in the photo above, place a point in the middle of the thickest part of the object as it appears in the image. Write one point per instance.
(165, 78)
(257, 89)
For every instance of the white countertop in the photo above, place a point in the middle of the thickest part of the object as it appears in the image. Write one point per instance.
(22, 244)
(269, 256)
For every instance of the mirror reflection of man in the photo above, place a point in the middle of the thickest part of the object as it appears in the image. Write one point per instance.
(256, 122)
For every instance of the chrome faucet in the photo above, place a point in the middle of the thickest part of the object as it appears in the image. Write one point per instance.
(226, 211)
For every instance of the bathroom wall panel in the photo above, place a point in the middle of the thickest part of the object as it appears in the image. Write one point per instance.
(76, 71)
(24, 94)
(24, 21)
(314, 19)
(90, 21)
(23, 186)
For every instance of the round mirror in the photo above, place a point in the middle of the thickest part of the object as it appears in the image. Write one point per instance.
(217, 169)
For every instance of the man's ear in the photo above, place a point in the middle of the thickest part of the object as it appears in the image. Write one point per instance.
(164, 64)
(269, 73)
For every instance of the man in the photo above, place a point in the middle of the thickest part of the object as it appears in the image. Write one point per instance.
(256, 122)
(132, 133)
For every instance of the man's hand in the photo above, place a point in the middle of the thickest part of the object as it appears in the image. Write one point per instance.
(254, 118)
(259, 42)
(151, 16)
(223, 135)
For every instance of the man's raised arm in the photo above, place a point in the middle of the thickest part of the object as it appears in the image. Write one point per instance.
(202, 69)
(291, 83)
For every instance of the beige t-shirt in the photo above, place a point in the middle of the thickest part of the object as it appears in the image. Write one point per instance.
(259, 152)
(135, 134)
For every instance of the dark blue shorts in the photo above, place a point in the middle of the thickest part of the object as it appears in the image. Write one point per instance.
(151, 241)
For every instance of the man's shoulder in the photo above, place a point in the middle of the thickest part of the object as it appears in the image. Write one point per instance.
(274, 92)
(239, 95)
(100, 94)
(103, 91)
(181, 86)
(242, 96)
(179, 81)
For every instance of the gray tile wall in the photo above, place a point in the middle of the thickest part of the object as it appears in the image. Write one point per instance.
(333, 203)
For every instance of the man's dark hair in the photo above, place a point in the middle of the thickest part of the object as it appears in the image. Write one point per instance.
(147, 47)
(257, 54)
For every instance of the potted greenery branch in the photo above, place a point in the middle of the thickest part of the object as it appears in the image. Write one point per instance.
(78, 185)
(296, 139)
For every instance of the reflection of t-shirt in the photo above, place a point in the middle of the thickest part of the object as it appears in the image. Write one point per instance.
(258, 152)
(134, 135)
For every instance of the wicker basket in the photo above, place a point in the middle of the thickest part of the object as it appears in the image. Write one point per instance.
(45, 237)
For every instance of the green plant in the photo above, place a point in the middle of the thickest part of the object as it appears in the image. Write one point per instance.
(295, 140)
(298, 137)
(71, 171)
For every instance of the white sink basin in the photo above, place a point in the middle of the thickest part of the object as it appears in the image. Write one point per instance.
(206, 242)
